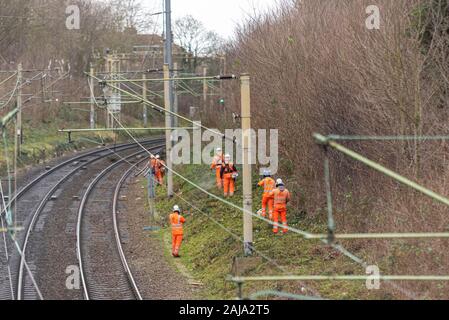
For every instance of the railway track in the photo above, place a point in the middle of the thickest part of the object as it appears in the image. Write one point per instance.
(118, 237)
(47, 209)
(105, 273)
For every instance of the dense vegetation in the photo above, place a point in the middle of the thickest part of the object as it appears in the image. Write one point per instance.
(315, 67)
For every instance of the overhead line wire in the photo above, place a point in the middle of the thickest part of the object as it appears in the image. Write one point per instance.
(294, 230)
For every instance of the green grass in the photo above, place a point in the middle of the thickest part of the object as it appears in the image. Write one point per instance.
(43, 142)
(208, 249)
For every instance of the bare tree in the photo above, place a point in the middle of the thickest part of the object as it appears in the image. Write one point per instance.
(316, 68)
(191, 34)
(131, 14)
(14, 18)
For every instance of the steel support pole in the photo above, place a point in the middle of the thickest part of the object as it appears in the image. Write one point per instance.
(168, 90)
(168, 120)
(175, 98)
(92, 98)
(109, 72)
(247, 178)
(145, 108)
(205, 88)
(19, 128)
(168, 54)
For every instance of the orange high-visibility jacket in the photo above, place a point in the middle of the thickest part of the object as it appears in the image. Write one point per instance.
(160, 166)
(227, 170)
(152, 163)
(268, 185)
(217, 162)
(281, 198)
(176, 222)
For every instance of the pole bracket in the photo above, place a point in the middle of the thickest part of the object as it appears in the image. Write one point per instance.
(320, 139)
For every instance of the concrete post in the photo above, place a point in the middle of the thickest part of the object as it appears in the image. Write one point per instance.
(247, 168)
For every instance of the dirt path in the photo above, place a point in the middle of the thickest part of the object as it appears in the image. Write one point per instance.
(157, 277)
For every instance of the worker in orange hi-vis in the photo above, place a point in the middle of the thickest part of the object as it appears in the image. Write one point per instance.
(229, 174)
(159, 170)
(177, 221)
(216, 165)
(151, 164)
(268, 185)
(281, 196)
(149, 171)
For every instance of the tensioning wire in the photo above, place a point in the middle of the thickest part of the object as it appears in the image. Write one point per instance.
(146, 101)
(294, 230)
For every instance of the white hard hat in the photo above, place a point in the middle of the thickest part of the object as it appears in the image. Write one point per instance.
(279, 182)
(219, 150)
(158, 157)
(228, 157)
(176, 209)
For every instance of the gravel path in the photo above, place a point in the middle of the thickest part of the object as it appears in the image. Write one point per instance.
(156, 277)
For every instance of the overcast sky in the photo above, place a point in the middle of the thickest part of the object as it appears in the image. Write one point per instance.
(218, 15)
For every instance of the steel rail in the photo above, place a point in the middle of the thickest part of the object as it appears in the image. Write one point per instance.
(63, 164)
(81, 209)
(39, 209)
(117, 232)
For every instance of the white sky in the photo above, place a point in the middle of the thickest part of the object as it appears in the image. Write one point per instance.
(218, 15)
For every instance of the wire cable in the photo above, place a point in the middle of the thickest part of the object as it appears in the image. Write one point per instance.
(11, 96)
(5, 145)
(289, 228)
(5, 243)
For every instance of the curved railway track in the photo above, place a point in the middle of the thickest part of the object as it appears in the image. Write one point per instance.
(105, 274)
(37, 208)
(118, 238)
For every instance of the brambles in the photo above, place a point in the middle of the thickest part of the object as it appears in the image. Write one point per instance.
(317, 68)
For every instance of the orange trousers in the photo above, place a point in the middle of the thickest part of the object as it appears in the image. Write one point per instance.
(229, 186)
(218, 178)
(160, 177)
(267, 201)
(176, 244)
(282, 212)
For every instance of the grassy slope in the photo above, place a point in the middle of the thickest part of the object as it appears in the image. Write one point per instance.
(44, 142)
(208, 250)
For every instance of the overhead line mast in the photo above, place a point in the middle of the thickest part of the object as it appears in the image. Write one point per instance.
(169, 96)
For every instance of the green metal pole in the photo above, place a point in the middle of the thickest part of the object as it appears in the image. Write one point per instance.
(341, 278)
(330, 216)
(354, 155)
(6, 119)
(124, 129)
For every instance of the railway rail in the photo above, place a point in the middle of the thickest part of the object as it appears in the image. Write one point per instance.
(50, 228)
(104, 271)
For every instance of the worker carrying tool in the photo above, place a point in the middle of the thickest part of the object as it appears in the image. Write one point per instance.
(281, 196)
(217, 163)
(149, 172)
(177, 221)
(229, 175)
(150, 167)
(268, 185)
(159, 170)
